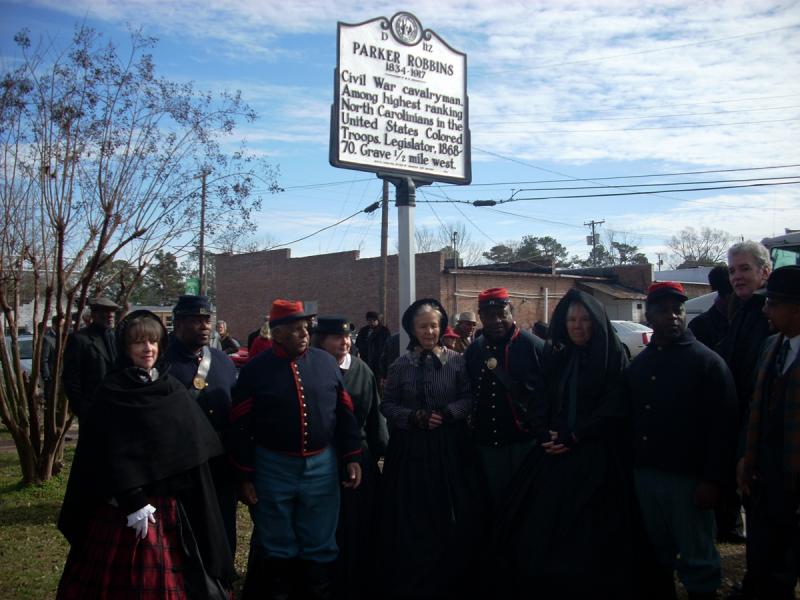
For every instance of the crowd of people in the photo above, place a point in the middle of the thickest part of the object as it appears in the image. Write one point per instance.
(475, 463)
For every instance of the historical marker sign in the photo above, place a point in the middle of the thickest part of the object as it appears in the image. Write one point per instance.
(400, 102)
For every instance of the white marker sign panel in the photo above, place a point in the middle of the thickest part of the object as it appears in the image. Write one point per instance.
(400, 102)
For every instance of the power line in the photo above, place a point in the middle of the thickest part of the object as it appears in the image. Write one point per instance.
(660, 183)
(305, 237)
(435, 214)
(527, 164)
(492, 202)
(571, 179)
(326, 184)
(573, 225)
(551, 222)
(639, 193)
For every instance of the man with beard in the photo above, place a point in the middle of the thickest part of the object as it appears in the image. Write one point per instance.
(209, 375)
(503, 366)
(684, 423)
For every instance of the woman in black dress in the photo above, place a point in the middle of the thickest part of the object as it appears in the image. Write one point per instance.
(140, 512)
(565, 528)
(432, 512)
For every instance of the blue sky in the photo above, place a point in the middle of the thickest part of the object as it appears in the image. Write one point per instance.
(557, 91)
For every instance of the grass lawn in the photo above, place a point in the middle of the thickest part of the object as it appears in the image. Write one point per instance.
(32, 550)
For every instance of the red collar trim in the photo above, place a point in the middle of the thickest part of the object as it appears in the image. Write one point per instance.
(280, 352)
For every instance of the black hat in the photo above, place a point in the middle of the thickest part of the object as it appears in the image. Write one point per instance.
(102, 303)
(408, 318)
(332, 325)
(189, 305)
(783, 285)
(372, 315)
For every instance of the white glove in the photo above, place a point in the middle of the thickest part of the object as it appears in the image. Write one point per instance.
(139, 520)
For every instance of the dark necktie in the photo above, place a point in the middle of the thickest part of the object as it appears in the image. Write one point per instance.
(780, 361)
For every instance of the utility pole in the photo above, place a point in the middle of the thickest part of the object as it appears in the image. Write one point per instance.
(384, 248)
(592, 241)
(202, 248)
(455, 274)
(660, 262)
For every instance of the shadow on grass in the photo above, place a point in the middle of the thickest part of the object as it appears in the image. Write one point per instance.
(44, 513)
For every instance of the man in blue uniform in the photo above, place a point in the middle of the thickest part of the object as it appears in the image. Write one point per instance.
(209, 375)
(292, 424)
(684, 423)
(503, 366)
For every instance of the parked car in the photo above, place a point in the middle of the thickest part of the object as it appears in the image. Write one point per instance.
(634, 336)
(25, 342)
(240, 357)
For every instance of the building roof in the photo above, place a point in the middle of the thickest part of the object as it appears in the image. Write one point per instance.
(616, 291)
(692, 275)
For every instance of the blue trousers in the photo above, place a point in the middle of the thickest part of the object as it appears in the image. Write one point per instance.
(298, 506)
(681, 534)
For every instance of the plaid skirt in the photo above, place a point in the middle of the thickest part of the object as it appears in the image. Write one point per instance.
(113, 564)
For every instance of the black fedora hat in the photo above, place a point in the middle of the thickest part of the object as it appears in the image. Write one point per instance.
(783, 285)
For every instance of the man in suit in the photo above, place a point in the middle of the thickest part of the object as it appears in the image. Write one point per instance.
(769, 472)
(89, 356)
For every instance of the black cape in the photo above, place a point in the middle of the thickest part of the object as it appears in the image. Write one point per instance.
(565, 526)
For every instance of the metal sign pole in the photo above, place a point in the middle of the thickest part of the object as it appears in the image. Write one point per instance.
(405, 199)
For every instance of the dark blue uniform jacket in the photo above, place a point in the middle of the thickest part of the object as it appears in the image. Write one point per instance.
(215, 399)
(496, 416)
(684, 410)
(295, 406)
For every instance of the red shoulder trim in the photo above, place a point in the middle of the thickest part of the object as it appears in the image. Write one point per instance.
(345, 399)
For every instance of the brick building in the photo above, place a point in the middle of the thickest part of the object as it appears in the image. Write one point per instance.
(343, 283)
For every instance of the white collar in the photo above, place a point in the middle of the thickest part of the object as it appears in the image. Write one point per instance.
(345, 363)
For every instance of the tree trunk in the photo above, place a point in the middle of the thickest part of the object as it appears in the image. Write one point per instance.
(27, 458)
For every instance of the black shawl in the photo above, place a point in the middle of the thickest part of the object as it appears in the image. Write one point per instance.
(589, 376)
(135, 434)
